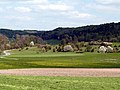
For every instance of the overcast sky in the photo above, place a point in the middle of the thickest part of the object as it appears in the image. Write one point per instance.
(50, 14)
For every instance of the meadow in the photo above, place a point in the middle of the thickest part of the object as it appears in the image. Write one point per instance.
(58, 83)
(33, 58)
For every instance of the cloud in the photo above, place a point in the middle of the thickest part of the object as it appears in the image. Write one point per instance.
(107, 9)
(25, 1)
(18, 18)
(33, 2)
(22, 9)
(38, 1)
(55, 7)
(40, 13)
(104, 6)
(77, 15)
(80, 15)
(18, 0)
(108, 2)
(1, 9)
(45, 6)
(63, 10)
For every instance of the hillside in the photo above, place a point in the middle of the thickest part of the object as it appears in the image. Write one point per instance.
(104, 32)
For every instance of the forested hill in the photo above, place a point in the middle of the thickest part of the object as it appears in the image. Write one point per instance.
(11, 33)
(104, 32)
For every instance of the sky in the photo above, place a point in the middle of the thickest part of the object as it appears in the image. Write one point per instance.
(50, 14)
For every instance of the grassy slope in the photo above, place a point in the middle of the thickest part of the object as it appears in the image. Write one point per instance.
(31, 59)
(116, 43)
(58, 83)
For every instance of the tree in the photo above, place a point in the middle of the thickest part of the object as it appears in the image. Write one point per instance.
(3, 42)
(75, 39)
(88, 48)
(25, 40)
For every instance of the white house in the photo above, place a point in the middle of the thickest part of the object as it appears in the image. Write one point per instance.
(102, 49)
(32, 43)
(68, 48)
(109, 49)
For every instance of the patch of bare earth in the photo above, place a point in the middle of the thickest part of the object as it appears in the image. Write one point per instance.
(82, 72)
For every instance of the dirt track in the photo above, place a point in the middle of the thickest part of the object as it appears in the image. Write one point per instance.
(63, 72)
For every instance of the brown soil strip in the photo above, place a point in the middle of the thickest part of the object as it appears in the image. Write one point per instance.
(82, 72)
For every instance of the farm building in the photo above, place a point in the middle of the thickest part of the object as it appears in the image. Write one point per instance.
(109, 49)
(102, 49)
(107, 43)
(68, 48)
(32, 43)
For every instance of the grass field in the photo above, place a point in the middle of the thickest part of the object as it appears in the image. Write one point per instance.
(32, 59)
(116, 43)
(58, 83)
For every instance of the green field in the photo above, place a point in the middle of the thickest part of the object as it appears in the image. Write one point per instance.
(32, 58)
(58, 83)
(116, 43)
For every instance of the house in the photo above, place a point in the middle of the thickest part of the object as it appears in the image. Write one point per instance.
(102, 49)
(32, 43)
(107, 49)
(107, 43)
(68, 48)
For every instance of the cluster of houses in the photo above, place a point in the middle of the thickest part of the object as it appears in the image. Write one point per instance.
(106, 47)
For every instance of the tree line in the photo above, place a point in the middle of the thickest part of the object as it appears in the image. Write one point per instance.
(105, 32)
(19, 42)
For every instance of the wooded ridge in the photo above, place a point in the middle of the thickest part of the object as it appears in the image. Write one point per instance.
(103, 32)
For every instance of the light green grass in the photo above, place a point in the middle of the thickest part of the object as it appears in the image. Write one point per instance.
(31, 59)
(58, 83)
(116, 43)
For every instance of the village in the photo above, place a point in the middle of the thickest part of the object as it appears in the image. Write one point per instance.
(81, 47)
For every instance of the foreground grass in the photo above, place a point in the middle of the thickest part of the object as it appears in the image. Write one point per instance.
(32, 59)
(58, 83)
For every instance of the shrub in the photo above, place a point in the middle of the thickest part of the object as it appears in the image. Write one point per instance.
(54, 50)
(88, 48)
